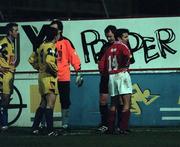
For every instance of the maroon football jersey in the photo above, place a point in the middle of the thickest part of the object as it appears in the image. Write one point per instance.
(116, 59)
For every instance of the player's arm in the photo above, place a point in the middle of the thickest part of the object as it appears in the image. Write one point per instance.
(73, 57)
(102, 64)
(4, 65)
(131, 56)
(127, 54)
(2, 46)
(126, 51)
(51, 62)
(102, 51)
(3, 69)
(76, 63)
(33, 60)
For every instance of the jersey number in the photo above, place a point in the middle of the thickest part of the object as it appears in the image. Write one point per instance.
(113, 64)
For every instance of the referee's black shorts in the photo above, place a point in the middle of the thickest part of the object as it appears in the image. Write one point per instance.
(64, 93)
(103, 86)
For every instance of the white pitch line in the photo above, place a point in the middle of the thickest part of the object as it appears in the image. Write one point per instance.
(169, 109)
(170, 118)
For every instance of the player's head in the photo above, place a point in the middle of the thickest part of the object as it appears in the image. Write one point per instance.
(51, 33)
(12, 30)
(57, 24)
(109, 33)
(122, 35)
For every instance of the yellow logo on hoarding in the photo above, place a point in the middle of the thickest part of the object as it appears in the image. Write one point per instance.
(141, 96)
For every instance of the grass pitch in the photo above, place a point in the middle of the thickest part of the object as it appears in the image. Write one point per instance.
(140, 137)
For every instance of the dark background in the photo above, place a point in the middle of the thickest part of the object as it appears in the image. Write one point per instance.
(31, 10)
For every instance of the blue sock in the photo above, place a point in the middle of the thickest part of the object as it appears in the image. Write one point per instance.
(1, 116)
(49, 119)
(4, 116)
(38, 117)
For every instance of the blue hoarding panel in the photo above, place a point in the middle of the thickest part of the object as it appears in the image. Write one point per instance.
(155, 100)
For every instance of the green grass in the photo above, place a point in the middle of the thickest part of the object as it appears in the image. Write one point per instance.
(141, 137)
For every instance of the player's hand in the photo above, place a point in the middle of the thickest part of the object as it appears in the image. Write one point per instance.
(12, 69)
(51, 72)
(54, 74)
(4, 69)
(131, 59)
(79, 80)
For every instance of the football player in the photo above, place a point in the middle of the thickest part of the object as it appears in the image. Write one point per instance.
(7, 69)
(115, 62)
(103, 86)
(44, 60)
(67, 56)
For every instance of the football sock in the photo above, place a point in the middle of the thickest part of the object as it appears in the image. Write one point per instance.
(43, 121)
(38, 117)
(104, 114)
(65, 118)
(111, 120)
(119, 113)
(49, 119)
(1, 117)
(124, 120)
(5, 117)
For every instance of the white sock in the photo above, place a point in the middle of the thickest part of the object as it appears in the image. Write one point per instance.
(65, 118)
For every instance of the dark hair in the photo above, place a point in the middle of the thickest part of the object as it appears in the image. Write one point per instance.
(59, 24)
(50, 33)
(110, 28)
(120, 32)
(9, 27)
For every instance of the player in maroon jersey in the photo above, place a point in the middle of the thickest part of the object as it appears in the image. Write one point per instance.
(104, 79)
(115, 62)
